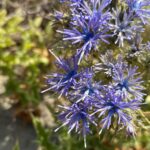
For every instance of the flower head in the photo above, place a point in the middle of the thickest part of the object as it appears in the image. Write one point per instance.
(123, 27)
(127, 83)
(112, 107)
(108, 63)
(62, 82)
(76, 117)
(86, 90)
(138, 7)
(89, 27)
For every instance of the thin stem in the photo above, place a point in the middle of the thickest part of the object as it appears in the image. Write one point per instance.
(143, 115)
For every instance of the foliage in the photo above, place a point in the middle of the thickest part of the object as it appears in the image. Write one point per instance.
(16, 146)
(22, 44)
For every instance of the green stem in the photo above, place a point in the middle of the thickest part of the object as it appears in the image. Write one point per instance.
(144, 116)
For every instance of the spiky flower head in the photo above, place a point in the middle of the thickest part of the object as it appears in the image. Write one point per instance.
(77, 118)
(128, 83)
(86, 90)
(109, 63)
(62, 82)
(138, 8)
(89, 27)
(114, 111)
(124, 27)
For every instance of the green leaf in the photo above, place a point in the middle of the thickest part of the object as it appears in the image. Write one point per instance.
(43, 135)
(16, 147)
(3, 18)
(148, 99)
(37, 22)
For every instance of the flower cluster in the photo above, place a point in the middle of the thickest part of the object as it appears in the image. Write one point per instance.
(107, 103)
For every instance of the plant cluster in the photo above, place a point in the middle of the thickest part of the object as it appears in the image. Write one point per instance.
(114, 103)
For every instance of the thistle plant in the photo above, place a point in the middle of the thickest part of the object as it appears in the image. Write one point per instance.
(103, 87)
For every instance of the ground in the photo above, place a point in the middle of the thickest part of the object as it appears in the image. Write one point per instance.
(13, 130)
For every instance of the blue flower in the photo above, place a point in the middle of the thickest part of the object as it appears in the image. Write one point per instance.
(123, 27)
(127, 83)
(63, 81)
(86, 90)
(113, 109)
(89, 27)
(76, 117)
(138, 7)
(108, 63)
